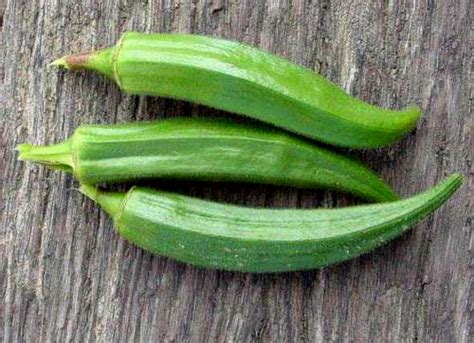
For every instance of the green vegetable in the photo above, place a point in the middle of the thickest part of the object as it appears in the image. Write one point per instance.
(239, 78)
(203, 149)
(229, 237)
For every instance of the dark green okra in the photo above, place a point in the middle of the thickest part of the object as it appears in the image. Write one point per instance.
(229, 237)
(208, 150)
(239, 78)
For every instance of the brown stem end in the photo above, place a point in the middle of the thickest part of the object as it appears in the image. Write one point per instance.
(76, 61)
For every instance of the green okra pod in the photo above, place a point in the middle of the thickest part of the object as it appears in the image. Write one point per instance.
(219, 236)
(239, 78)
(207, 150)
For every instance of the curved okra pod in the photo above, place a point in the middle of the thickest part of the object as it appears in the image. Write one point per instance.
(229, 237)
(208, 150)
(239, 78)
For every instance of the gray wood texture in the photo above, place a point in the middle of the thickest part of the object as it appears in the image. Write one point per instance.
(65, 275)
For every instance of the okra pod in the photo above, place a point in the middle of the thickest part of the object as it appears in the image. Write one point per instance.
(239, 78)
(220, 236)
(207, 150)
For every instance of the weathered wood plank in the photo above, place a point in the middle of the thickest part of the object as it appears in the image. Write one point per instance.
(66, 276)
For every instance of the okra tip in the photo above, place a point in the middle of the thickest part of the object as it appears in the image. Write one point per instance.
(414, 111)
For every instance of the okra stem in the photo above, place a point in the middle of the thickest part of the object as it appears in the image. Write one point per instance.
(111, 202)
(57, 156)
(100, 62)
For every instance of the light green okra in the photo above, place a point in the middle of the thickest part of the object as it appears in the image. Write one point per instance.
(206, 150)
(239, 78)
(220, 236)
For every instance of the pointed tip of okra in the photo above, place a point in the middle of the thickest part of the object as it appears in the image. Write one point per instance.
(388, 196)
(414, 110)
(412, 114)
(456, 180)
(448, 186)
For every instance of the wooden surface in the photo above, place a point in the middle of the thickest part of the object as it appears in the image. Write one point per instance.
(66, 276)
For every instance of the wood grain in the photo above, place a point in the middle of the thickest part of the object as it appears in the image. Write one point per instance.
(66, 276)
